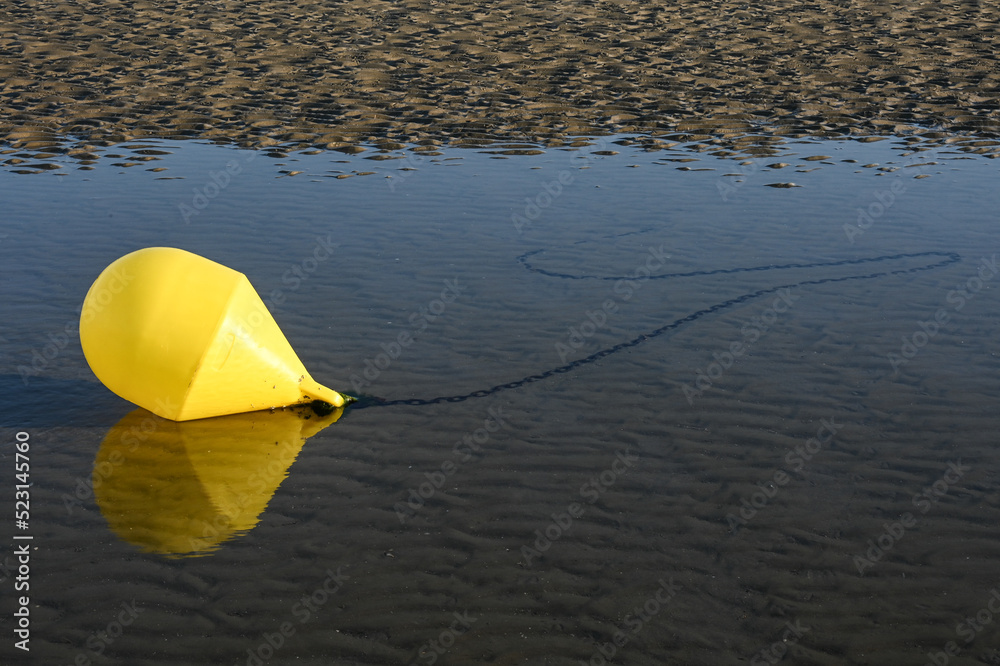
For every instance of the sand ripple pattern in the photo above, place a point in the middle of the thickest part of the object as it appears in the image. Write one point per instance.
(340, 74)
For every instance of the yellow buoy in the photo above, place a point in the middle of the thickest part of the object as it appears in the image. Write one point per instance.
(182, 489)
(188, 338)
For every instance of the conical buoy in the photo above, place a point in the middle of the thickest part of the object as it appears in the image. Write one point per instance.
(188, 338)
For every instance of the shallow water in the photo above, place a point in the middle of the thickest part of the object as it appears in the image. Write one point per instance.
(636, 464)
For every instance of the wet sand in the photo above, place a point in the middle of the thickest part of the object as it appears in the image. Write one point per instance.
(381, 73)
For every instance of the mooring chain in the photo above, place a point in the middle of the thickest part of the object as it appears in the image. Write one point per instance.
(947, 258)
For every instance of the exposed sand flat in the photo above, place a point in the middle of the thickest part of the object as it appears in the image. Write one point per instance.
(335, 74)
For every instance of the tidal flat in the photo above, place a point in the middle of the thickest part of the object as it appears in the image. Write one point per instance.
(674, 328)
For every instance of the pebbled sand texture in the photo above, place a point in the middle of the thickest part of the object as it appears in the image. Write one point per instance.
(337, 74)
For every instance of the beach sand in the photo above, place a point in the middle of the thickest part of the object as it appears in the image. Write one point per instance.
(345, 74)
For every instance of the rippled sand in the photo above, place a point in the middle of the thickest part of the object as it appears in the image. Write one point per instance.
(340, 74)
